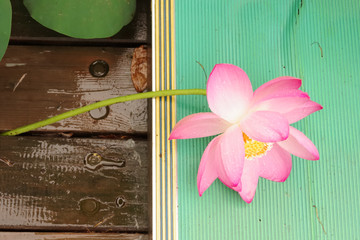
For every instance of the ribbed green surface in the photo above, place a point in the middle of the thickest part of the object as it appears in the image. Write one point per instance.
(317, 41)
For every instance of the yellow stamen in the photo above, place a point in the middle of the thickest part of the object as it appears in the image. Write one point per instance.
(255, 149)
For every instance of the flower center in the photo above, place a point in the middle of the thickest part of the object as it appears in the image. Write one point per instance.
(255, 149)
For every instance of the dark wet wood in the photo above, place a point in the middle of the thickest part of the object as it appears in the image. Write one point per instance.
(27, 30)
(84, 185)
(65, 184)
(70, 236)
(37, 82)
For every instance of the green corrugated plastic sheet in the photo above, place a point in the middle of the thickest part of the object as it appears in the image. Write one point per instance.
(317, 41)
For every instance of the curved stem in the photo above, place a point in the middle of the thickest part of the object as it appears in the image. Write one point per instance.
(104, 103)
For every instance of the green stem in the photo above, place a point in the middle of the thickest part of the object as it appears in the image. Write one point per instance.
(104, 103)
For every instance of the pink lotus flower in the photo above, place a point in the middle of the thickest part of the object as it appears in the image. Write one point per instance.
(255, 137)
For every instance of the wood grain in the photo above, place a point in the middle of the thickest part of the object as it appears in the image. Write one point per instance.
(58, 184)
(57, 79)
(27, 30)
(70, 236)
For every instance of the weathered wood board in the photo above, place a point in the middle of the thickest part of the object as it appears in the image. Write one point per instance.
(37, 82)
(87, 185)
(65, 184)
(27, 30)
(70, 236)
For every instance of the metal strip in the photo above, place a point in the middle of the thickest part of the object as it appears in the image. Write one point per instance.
(164, 118)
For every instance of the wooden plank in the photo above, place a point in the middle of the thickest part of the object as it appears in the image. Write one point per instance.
(60, 184)
(37, 82)
(27, 30)
(70, 236)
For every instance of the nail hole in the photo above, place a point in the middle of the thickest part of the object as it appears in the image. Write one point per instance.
(99, 68)
(100, 113)
(120, 202)
(89, 206)
(93, 159)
